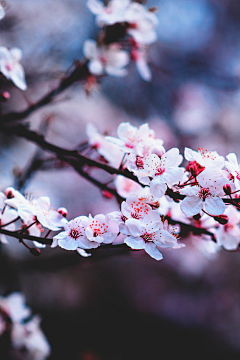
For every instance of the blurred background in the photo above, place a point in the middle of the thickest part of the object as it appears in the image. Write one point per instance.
(117, 305)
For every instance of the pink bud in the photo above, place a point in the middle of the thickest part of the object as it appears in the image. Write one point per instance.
(63, 211)
(9, 192)
(5, 96)
(227, 189)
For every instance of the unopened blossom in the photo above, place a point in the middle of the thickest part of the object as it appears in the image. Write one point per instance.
(204, 158)
(149, 234)
(163, 170)
(233, 168)
(11, 68)
(207, 195)
(106, 59)
(113, 12)
(101, 229)
(228, 236)
(74, 235)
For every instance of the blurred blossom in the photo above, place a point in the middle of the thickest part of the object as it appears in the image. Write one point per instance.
(196, 110)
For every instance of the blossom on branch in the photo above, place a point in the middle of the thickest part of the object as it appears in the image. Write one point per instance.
(113, 12)
(106, 59)
(149, 234)
(11, 68)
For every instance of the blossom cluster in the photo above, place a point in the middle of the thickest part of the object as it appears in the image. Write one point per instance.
(156, 191)
(24, 330)
(129, 22)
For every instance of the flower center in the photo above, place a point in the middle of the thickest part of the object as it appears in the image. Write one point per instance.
(160, 171)
(98, 228)
(147, 237)
(204, 193)
(75, 233)
(138, 209)
(139, 162)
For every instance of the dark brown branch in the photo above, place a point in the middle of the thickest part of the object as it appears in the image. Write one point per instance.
(79, 73)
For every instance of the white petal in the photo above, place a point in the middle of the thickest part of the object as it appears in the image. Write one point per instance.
(191, 205)
(114, 71)
(2, 12)
(95, 67)
(134, 243)
(153, 251)
(214, 205)
(83, 253)
(144, 70)
(18, 77)
(95, 6)
(16, 54)
(158, 187)
(90, 49)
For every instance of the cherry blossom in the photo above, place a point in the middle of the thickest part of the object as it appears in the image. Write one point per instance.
(74, 236)
(108, 150)
(127, 137)
(228, 236)
(233, 168)
(110, 59)
(110, 14)
(101, 229)
(142, 23)
(164, 170)
(29, 337)
(14, 306)
(140, 141)
(149, 234)
(39, 210)
(206, 195)
(126, 187)
(204, 158)
(11, 68)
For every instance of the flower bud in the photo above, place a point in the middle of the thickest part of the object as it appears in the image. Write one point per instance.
(9, 192)
(63, 211)
(222, 219)
(227, 189)
(5, 96)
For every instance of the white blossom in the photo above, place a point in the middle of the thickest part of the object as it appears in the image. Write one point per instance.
(110, 14)
(142, 23)
(149, 234)
(110, 59)
(11, 68)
